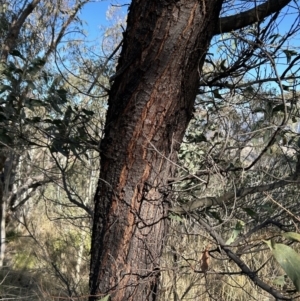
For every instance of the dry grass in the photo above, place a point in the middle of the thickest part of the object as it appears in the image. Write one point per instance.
(183, 280)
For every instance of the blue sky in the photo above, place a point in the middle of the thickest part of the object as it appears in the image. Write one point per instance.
(94, 13)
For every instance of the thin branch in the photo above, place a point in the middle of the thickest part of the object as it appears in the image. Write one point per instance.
(64, 27)
(13, 34)
(213, 201)
(30, 184)
(101, 70)
(242, 265)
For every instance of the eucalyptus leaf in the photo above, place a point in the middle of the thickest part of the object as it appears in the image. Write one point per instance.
(17, 53)
(251, 212)
(217, 94)
(31, 102)
(289, 54)
(279, 108)
(88, 112)
(288, 259)
(292, 236)
(62, 93)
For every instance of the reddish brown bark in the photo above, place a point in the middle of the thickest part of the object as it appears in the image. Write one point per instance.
(150, 105)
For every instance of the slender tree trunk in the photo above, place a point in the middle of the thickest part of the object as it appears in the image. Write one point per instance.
(2, 210)
(8, 163)
(2, 230)
(150, 106)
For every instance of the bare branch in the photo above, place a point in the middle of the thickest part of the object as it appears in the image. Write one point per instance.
(31, 184)
(213, 201)
(63, 29)
(14, 30)
(256, 14)
(242, 265)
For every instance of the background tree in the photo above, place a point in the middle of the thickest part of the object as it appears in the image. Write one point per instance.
(52, 102)
(150, 105)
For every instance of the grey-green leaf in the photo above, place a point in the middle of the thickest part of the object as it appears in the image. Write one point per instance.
(289, 260)
(237, 230)
(292, 236)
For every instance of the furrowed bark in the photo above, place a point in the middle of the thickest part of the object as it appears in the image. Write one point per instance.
(150, 105)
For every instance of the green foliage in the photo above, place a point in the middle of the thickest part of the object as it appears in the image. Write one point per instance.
(239, 226)
(288, 259)
(12, 235)
(63, 124)
(24, 259)
(292, 236)
(280, 280)
(175, 217)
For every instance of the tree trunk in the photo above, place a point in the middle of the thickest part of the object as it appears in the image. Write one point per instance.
(8, 163)
(150, 105)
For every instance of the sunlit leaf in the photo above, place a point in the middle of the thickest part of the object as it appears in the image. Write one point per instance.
(288, 259)
(292, 236)
(175, 217)
(239, 226)
(280, 280)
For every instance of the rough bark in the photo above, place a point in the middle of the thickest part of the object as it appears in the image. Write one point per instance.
(150, 105)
